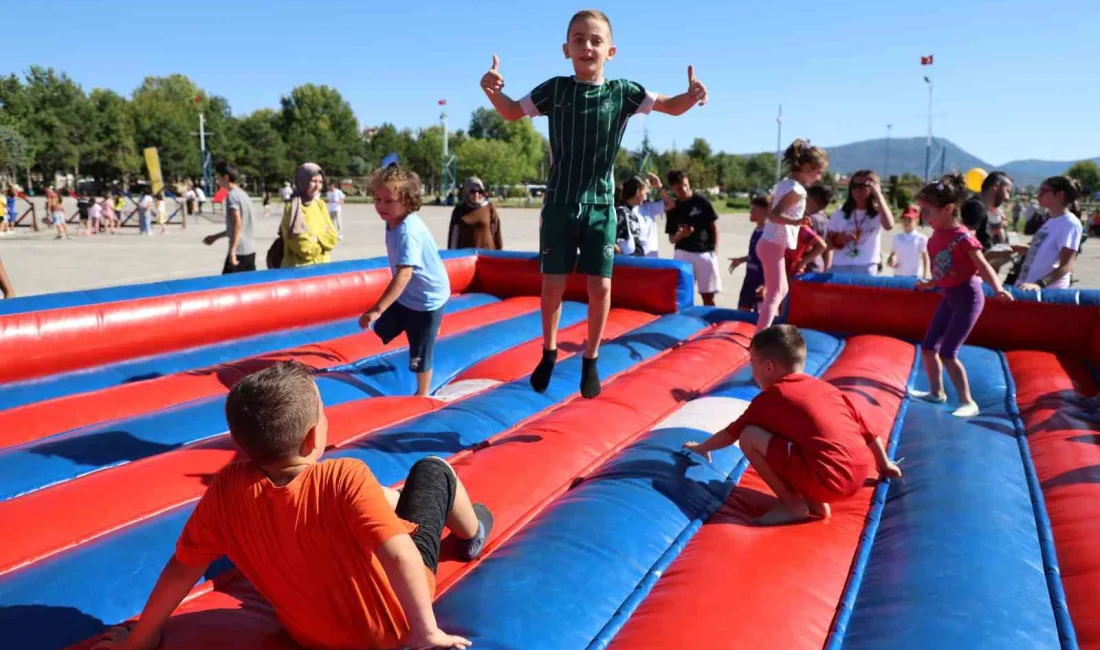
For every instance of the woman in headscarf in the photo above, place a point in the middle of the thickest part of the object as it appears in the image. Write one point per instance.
(307, 230)
(474, 222)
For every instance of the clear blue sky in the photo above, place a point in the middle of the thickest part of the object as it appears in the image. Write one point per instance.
(1012, 76)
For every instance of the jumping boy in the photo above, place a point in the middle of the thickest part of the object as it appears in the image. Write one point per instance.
(344, 561)
(803, 436)
(414, 299)
(588, 115)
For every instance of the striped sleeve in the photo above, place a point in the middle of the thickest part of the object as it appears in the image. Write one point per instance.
(540, 100)
(636, 99)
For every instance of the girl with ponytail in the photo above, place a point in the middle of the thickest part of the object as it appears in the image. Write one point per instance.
(1050, 256)
(958, 268)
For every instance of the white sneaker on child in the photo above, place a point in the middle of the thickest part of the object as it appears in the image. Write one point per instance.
(968, 410)
(927, 396)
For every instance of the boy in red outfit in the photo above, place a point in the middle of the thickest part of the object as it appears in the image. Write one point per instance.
(802, 435)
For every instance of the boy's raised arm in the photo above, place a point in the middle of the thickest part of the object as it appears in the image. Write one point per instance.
(173, 585)
(680, 104)
(493, 84)
(405, 569)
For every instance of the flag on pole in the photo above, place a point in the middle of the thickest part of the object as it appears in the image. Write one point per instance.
(443, 102)
(926, 60)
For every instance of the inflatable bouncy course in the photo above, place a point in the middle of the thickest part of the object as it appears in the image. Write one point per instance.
(112, 425)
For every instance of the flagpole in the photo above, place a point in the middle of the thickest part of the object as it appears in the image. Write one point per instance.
(779, 144)
(928, 146)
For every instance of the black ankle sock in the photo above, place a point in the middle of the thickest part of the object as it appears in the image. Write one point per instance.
(540, 378)
(590, 378)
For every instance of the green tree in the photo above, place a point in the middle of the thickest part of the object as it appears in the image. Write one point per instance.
(383, 140)
(488, 124)
(1087, 173)
(55, 119)
(14, 152)
(493, 161)
(700, 150)
(760, 172)
(318, 125)
(110, 152)
(165, 114)
(263, 153)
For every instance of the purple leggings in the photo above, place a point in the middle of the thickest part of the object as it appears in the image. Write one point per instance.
(958, 312)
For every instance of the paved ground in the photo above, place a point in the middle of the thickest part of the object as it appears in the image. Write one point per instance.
(36, 263)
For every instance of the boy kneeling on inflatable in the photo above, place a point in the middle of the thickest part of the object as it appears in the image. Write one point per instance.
(802, 435)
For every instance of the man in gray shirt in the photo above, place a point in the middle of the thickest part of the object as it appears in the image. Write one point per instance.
(238, 223)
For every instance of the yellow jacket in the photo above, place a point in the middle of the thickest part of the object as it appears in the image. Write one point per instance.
(312, 246)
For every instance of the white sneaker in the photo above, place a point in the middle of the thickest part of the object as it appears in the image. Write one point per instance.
(968, 410)
(927, 396)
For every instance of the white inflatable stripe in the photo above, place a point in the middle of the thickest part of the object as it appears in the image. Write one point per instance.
(465, 388)
(709, 414)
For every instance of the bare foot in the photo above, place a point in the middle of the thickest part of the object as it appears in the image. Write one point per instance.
(782, 513)
(818, 510)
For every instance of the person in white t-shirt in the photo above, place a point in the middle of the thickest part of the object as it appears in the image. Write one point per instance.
(637, 232)
(1053, 249)
(335, 198)
(806, 164)
(200, 196)
(854, 231)
(909, 259)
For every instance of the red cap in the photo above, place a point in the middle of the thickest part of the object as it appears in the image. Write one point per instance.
(911, 212)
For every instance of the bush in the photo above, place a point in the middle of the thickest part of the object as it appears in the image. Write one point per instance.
(737, 203)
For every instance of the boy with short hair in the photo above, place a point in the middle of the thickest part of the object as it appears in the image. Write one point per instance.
(588, 115)
(692, 228)
(754, 272)
(414, 299)
(241, 256)
(909, 257)
(323, 542)
(637, 217)
(803, 435)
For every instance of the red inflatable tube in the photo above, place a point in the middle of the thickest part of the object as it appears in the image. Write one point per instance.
(649, 290)
(1065, 449)
(906, 314)
(58, 517)
(41, 343)
(564, 444)
(33, 421)
(774, 587)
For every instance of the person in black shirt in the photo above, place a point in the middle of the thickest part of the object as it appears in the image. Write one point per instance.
(692, 227)
(996, 190)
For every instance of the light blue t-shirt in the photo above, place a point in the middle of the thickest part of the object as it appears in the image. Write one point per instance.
(411, 244)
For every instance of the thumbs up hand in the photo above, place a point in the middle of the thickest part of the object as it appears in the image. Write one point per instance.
(695, 87)
(492, 82)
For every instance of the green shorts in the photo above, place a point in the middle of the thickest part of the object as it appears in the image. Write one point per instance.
(566, 230)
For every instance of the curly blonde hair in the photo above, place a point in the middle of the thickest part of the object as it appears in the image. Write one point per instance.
(404, 182)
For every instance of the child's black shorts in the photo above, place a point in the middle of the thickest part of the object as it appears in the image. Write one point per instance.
(426, 500)
(420, 327)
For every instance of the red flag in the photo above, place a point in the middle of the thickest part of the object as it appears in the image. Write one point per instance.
(926, 60)
(443, 102)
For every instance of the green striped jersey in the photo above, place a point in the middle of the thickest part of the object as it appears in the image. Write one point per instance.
(587, 122)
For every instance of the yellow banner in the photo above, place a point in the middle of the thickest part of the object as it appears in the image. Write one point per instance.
(152, 163)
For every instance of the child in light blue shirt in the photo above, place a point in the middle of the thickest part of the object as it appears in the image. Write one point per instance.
(414, 299)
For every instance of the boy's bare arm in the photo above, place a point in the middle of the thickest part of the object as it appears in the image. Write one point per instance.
(392, 292)
(720, 440)
(405, 568)
(682, 103)
(886, 468)
(175, 581)
(492, 82)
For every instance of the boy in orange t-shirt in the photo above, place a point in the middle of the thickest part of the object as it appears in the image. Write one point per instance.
(344, 561)
(802, 435)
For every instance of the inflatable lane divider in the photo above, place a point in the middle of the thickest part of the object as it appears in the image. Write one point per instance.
(783, 583)
(1042, 520)
(127, 561)
(39, 420)
(67, 456)
(174, 373)
(562, 445)
(957, 560)
(870, 529)
(59, 516)
(561, 572)
(1061, 427)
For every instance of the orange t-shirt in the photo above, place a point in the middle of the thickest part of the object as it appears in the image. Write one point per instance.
(308, 547)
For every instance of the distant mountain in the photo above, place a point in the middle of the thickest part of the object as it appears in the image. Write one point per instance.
(1032, 172)
(908, 155)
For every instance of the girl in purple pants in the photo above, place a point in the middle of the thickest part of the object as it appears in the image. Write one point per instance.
(957, 263)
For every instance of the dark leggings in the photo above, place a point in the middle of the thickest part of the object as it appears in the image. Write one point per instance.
(959, 310)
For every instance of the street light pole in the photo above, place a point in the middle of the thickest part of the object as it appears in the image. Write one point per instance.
(886, 167)
(779, 144)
